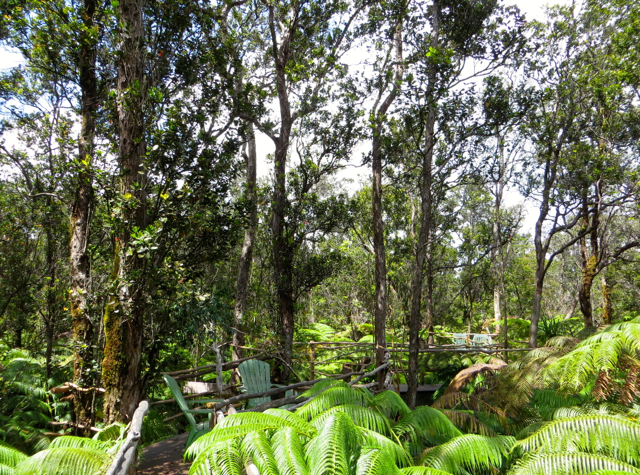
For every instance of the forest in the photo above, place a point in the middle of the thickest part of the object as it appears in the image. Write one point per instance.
(178, 194)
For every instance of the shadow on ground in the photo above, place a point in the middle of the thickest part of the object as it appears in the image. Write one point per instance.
(165, 457)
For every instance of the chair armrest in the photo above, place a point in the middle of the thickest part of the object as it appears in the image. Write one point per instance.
(278, 385)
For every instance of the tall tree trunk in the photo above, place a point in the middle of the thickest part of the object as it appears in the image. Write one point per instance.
(496, 252)
(542, 245)
(607, 307)
(589, 255)
(49, 317)
(380, 312)
(423, 245)
(132, 148)
(244, 264)
(81, 221)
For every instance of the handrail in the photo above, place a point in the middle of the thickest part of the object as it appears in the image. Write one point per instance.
(127, 453)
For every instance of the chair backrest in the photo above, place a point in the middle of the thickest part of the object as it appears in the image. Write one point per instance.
(482, 340)
(177, 394)
(459, 339)
(256, 378)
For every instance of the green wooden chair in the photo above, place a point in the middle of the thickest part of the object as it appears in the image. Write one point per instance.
(196, 429)
(256, 378)
(481, 339)
(459, 339)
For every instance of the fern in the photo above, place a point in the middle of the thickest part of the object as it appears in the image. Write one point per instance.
(333, 397)
(426, 423)
(322, 386)
(10, 456)
(65, 461)
(422, 471)
(202, 443)
(268, 421)
(470, 452)
(222, 458)
(289, 453)
(600, 353)
(573, 463)
(390, 404)
(113, 431)
(330, 451)
(374, 462)
(6, 470)
(71, 441)
(361, 416)
(609, 435)
(393, 451)
(295, 421)
(256, 446)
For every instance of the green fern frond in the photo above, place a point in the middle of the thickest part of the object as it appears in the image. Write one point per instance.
(322, 386)
(72, 441)
(6, 470)
(256, 446)
(329, 452)
(374, 462)
(426, 423)
(467, 422)
(222, 458)
(301, 426)
(470, 452)
(422, 471)
(598, 353)
(65, 461)
(113, 431)
(568, 464)
(609, 435)
(330, 398)
(393, 451)
(530, 429)
(9, 455)
(288, 452)
(390, 404)
(218, 434)
(275, 419)
(609, 472)
(361, 416)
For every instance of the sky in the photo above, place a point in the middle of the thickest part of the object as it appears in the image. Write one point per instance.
(533, 9)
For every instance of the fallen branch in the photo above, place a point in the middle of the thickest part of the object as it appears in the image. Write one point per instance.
(66, 387)
(74, 424)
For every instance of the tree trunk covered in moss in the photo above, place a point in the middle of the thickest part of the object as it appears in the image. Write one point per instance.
(607, 307)
(590, 255)
(81, 219)
(125, 383)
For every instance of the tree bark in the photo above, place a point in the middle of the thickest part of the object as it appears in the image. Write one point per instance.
(423, 245)
(282, 253)
(244, 264)
(126, 386)
(81, 221)
(607, 307)
(380, 312)
(589, 255)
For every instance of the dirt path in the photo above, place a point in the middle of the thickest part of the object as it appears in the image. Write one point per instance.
(165, 457)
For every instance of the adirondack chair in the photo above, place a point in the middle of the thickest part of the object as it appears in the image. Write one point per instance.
(256, 378)
(482, 340)
(459, 339)
(196, 429)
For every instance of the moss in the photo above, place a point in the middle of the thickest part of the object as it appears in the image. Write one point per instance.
(112, 360)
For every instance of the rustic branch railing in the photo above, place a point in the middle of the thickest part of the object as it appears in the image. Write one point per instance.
(127, 453)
